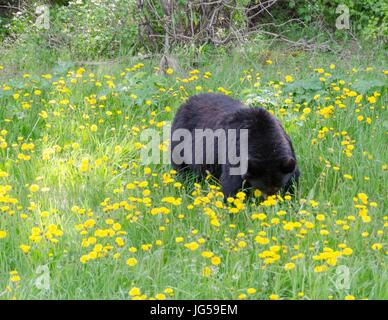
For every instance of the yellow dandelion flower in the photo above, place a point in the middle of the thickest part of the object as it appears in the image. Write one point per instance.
(132, 262)
(206, 272)
(34, 188)
(289, 266)
(251, 290)
(216, 260)
(135, 291)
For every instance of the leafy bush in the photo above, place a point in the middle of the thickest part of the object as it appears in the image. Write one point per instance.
(87, 29)
(368, 18)
(97, 27)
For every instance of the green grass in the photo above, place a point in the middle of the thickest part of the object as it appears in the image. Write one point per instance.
(71, 196)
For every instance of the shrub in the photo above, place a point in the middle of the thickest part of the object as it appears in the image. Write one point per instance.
(97, 28)
(368, 18)
(87, 29)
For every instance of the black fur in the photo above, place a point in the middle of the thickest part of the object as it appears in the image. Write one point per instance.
(272, 163)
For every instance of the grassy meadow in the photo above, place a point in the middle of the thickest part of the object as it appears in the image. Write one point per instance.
(82, 218)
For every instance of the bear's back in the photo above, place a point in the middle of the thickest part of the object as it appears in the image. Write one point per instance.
(205, 111)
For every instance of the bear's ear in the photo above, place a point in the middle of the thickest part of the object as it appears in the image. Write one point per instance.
(287, 165)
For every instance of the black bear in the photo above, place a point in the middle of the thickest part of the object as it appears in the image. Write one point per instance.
(270, 158)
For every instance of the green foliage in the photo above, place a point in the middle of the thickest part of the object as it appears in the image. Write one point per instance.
(85, 29)
(93, 29)
(368, 18)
